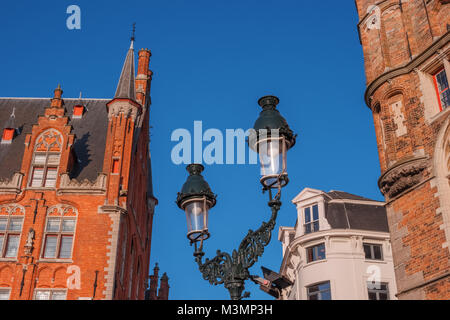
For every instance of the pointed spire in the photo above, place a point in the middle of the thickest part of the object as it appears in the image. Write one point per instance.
(125, 88)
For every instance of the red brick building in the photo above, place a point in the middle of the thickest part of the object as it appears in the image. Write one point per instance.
(76, 197)
(406, 50)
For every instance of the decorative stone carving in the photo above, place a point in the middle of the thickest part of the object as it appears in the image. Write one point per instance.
(402, 176)
(124, 107)
(62, 210)
(73, 186)
(29, 245)
(13, 185)
(12, 208)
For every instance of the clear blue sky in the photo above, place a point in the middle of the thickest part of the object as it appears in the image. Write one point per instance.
(212, 60)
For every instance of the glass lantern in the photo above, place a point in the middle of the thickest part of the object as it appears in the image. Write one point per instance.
(195, 199)
(272, 156)
(197, 219)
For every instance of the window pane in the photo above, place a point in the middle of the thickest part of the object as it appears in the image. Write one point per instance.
(1, 244)
(383, 296)
(3, 223)
(441, 79)
(316, 226)
(321, 252)
(313, 297)
(308, 228)
(53, 159)
(50, 247)
(4, 294)
(39, 158)
(38, 176)
(325, 295)
(310, 254)
(58, 295)
(372, 296)
(367, 251)
(11, 246)
(68, 225)
(320, 291)
(50, 180)
(445, 98)
(15, 224)
(66, 247)
(315, 212)
(53, 225)
(377, 252)
(42, 295)
(307, 215)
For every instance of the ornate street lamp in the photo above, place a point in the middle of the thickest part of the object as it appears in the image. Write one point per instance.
(271, 138)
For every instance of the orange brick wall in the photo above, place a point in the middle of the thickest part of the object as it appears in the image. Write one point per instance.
(408, 43)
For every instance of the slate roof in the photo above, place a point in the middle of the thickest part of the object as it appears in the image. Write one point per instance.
(90, 133)
(346, 214)
(345, 195)
(356, 216)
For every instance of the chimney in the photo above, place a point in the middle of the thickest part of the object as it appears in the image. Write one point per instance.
(163, 293)
(144, 76)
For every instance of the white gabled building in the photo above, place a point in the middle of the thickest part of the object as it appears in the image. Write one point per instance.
(339, 249)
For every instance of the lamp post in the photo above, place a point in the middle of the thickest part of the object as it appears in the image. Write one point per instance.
(271, 138)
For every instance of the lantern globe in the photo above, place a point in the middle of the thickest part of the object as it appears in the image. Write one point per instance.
(271, 138)
(195, 199)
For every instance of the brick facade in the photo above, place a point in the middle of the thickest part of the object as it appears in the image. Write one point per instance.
(405, 44)
(113, 213)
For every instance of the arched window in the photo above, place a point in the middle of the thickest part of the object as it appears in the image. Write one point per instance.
(46, 159)
(59, 232)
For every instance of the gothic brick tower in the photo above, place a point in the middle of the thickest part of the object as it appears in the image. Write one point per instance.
(406, 50)
(76, 196)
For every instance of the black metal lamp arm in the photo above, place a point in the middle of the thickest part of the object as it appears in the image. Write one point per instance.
(232, 270)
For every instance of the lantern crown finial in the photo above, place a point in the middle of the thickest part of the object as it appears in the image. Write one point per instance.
(269, 102)
(195, 169)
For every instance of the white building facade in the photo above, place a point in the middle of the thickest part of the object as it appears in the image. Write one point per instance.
(339, 249)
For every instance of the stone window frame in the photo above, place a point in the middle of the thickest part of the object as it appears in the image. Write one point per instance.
(308, 294)
(6, 233)
(46, 165)
(50, 290)
(313, 246)
(373, 244)
(426, 74)
(62, 210)
(312, 222)
(438, 92)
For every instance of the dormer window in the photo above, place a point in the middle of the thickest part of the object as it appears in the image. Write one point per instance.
(311, 215)
(78, 111)
(8, 135)
(442, 89)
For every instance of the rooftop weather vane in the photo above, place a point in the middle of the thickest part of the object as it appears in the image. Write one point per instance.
(134, 31)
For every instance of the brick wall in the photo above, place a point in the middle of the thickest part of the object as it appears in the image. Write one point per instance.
(405, 43)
